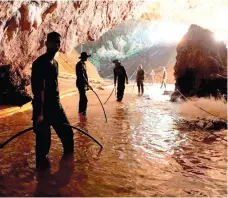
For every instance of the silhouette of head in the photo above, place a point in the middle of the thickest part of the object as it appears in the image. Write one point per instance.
(140, 66)
(84, 56)
(53, 42)
(116, 62)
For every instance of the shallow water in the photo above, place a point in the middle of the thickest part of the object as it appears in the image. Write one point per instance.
(147, 152)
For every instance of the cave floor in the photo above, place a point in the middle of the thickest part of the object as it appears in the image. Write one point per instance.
(147, 152)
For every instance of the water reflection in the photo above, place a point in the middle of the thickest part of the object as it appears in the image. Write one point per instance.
(54, 182)
(147, 152)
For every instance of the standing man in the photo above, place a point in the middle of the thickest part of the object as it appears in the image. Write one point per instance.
(47, 110)
(120, 73)
(82, 83)
(140, 79)
(152, 76)
(164, 78)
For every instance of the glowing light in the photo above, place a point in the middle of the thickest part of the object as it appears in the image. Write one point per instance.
(168, 32)
(218, 37)
(220, 17)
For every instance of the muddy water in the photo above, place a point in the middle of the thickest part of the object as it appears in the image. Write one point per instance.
(147, 152)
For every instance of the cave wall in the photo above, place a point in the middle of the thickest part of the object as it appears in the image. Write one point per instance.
(201, 64)
(25, 24)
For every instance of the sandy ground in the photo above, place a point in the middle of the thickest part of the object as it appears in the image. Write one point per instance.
(67, 80)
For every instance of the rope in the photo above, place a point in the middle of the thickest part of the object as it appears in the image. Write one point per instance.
(202, 108)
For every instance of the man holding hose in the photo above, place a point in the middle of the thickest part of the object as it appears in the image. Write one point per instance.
(119, 75)
(47, 109)
(82, 83)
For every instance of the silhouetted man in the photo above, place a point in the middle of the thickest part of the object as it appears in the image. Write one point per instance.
(120, 73)
(47, 110)
(82, 83)
(140, 79)
(164, 78)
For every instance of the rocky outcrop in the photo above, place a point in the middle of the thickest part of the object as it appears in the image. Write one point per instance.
(13, 86)
(24, 25)
(201, 64)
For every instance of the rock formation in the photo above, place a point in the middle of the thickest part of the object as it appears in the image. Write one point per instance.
(201, 64)
(24, 25)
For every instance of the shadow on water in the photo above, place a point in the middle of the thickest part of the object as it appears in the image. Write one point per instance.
(50, 184)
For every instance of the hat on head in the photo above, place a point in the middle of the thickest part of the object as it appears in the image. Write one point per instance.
(84, 55)
(116, 61)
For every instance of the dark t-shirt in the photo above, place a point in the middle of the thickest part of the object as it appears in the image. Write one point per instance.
(82, 78)
(140, 75)
(120, 73)
(44, 78)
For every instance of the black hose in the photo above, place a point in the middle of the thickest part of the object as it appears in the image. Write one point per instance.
(101, 104)
(31, 128)
(85, 133)
(109, 96)
(14, 136)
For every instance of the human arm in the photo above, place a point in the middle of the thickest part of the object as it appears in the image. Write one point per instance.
(165, 75)
(38, 86)
(126, 76)
(81, 73)
(115, 77)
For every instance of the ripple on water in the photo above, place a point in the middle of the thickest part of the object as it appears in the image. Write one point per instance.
(146, 153)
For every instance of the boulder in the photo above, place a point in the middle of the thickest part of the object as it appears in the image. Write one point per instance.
(201, 64)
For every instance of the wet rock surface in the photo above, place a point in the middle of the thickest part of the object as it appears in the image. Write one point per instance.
(206, 124)
(25, 24)
(13, 86)
(201, 64)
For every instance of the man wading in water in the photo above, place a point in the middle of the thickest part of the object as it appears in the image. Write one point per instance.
(47, 110)
(140, 79)
(120, 73)
(82, 83)
(164, 78)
